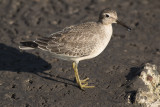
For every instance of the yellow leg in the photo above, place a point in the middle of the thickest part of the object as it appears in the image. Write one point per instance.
(82, 83)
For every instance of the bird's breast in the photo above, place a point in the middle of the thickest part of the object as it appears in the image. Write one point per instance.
(103, 39)
(106, 35)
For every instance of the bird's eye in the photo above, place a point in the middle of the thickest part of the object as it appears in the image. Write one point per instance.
(107, 15)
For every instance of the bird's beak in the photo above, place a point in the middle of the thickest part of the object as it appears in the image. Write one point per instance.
(121, 23)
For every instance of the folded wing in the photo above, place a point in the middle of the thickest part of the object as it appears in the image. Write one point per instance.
(73, 41)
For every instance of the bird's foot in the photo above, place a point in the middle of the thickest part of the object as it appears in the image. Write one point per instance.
(84, 84)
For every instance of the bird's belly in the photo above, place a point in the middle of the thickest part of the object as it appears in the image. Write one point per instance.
(97, 50)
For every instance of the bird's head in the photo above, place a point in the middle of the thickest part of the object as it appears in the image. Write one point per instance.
(108, 16)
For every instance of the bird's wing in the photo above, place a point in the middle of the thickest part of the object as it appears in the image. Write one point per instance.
(74, 41)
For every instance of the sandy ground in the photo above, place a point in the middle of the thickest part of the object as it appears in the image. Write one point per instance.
(36, 79)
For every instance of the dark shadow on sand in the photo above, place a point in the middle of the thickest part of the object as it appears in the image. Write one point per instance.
(12, 59)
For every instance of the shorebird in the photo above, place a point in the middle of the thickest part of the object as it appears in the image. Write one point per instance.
(78, 42)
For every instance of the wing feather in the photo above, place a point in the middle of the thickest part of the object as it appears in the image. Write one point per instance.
(72, 41)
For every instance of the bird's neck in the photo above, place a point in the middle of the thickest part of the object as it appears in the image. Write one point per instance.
(107, 29)
(104, 22)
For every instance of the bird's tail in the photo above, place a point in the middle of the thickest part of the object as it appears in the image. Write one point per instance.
(28, 45)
